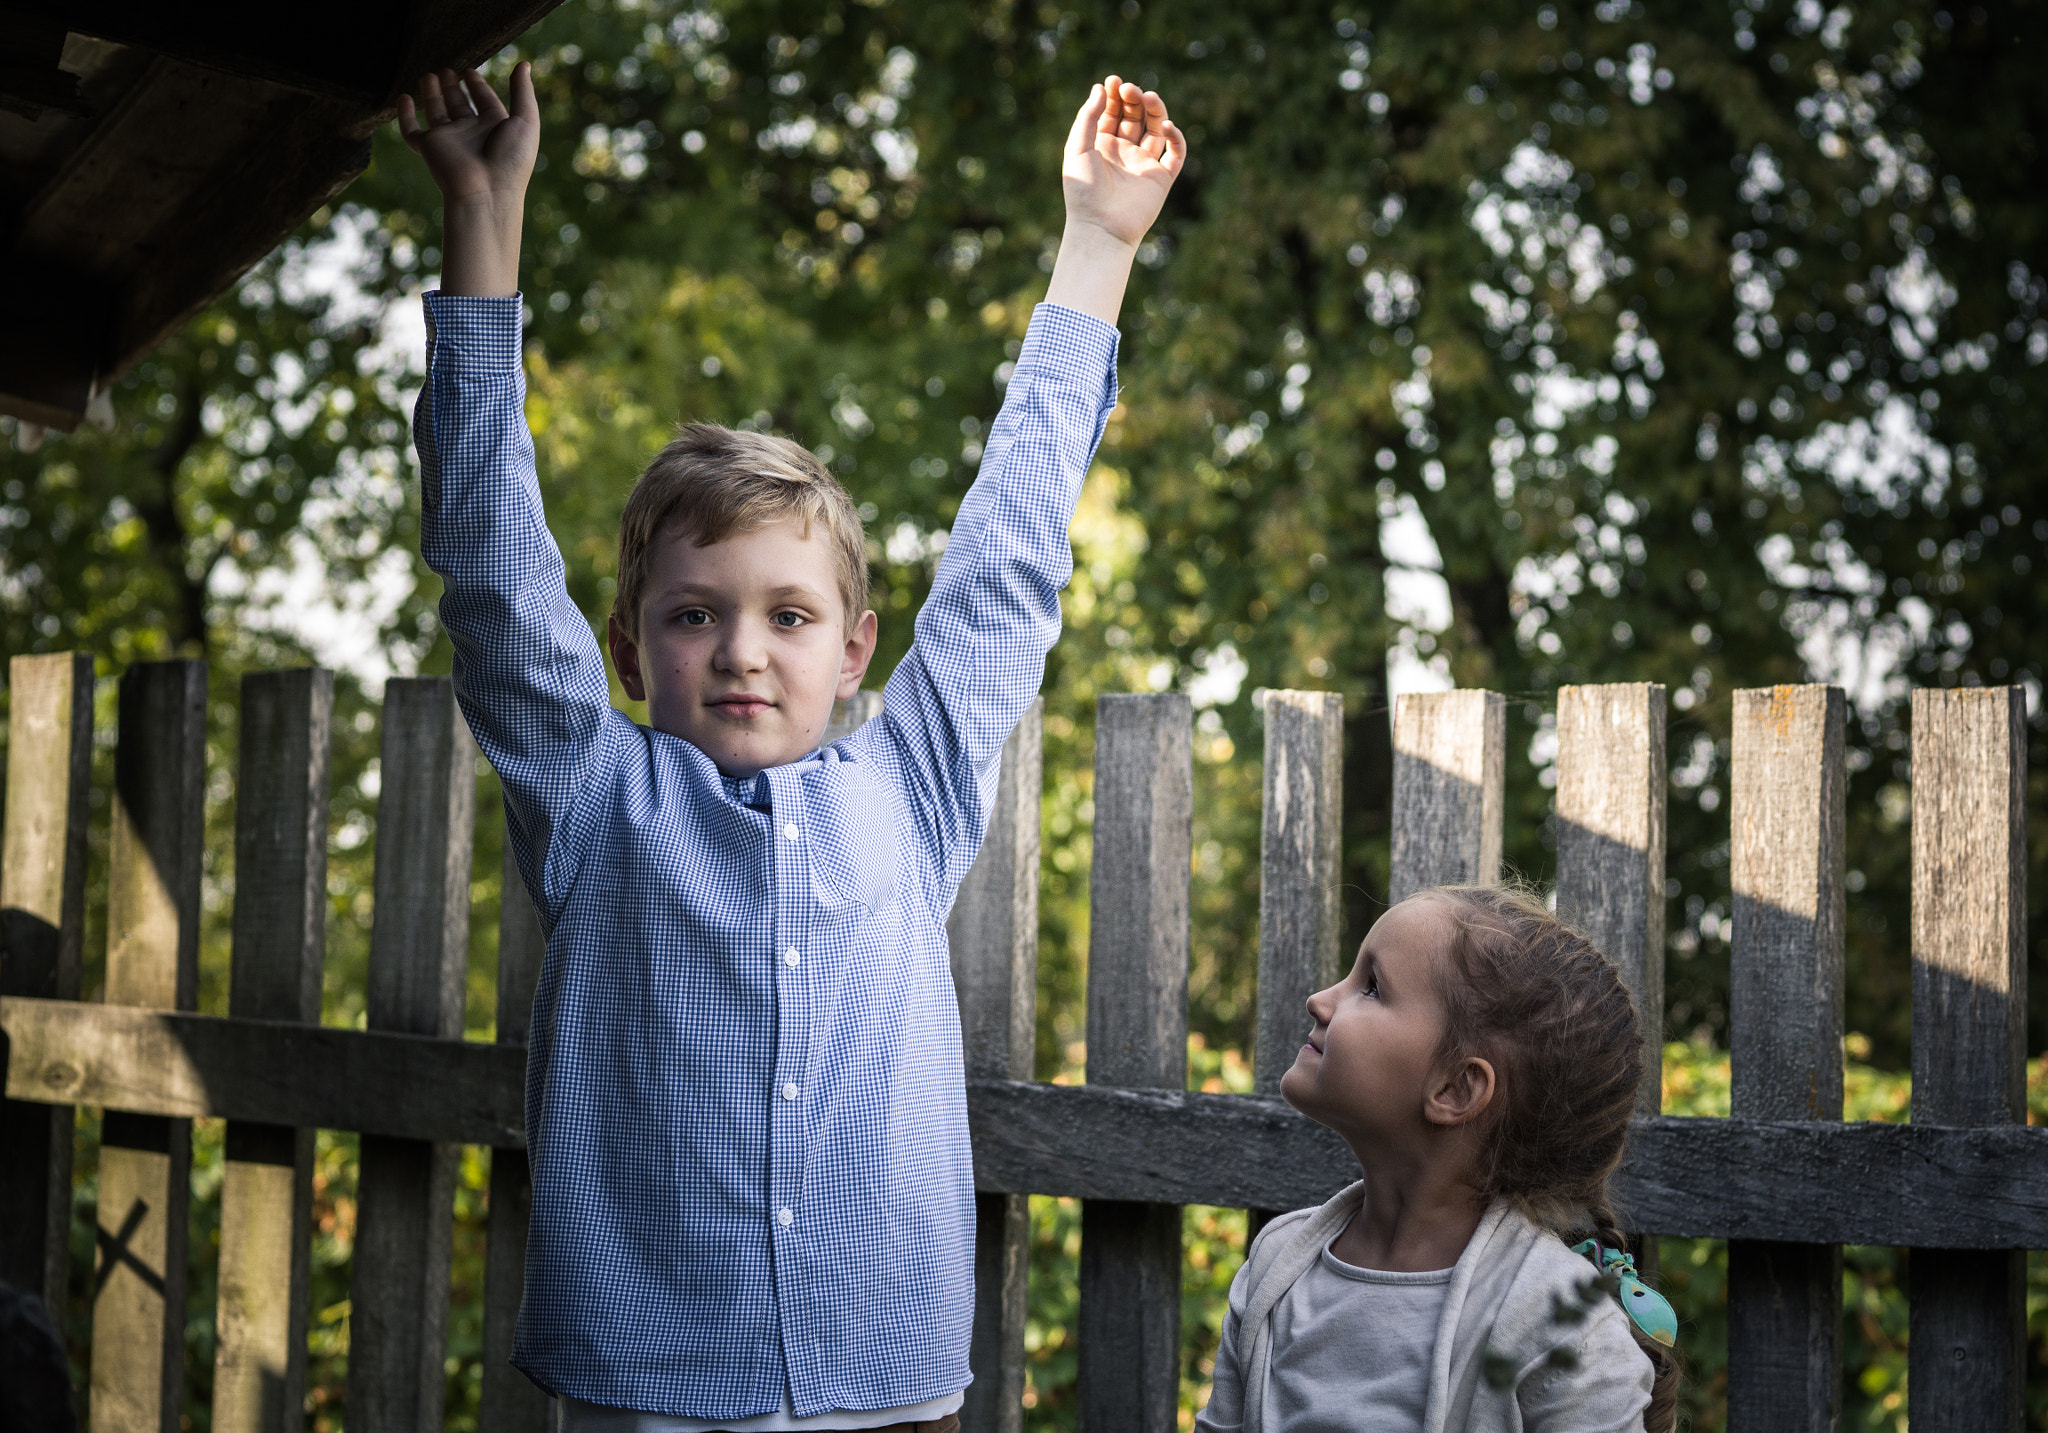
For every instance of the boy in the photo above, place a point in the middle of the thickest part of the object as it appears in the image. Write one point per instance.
(753, 1202)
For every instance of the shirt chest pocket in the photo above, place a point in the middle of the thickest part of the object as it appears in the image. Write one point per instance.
(852, 827)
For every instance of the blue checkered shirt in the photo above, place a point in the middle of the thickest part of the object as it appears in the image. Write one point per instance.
(744, 1104)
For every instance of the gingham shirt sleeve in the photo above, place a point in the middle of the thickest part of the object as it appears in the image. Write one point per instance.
(528, 673)
(994, 610)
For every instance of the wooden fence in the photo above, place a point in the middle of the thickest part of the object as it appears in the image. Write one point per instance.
(1965, 1185)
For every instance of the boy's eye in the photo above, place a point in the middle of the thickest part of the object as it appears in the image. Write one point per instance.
(788, 619)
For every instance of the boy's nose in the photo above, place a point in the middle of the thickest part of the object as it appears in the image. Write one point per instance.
(743, 650)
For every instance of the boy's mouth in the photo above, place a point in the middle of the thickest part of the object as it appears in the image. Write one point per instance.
(740, 704)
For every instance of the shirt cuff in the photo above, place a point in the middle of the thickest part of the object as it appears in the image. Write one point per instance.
(471, 332)
(1068, 344)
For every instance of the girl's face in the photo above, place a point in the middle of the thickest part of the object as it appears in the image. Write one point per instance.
(1370, 1058)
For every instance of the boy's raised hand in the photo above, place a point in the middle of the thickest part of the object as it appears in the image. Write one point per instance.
(481, 155)
(1121, 158)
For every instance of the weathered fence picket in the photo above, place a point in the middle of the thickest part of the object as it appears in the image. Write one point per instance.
(138, 1323)
(509, 1403)
(42, 926)
(993, 933)
(1966, 1354)
(1786, 864)
(1299, 941)
(280, 940)
(1610, 843)
(1137, 1039)
(419, 943)
(1450, 764)
(1783, 1179)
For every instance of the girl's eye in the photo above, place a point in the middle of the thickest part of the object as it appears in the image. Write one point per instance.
(1372, 986)
(694, 617)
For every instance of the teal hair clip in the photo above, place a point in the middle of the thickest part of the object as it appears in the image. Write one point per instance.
(1650, 1310)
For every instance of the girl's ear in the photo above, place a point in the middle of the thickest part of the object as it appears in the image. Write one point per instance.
(1463, 1091)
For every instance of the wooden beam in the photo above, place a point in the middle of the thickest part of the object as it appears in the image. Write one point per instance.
(1137, 1037)
(1450, 764)
(42, 931)
(1798, 1181)
(280, 933)
(1787, 865)
(993, 935)
(418, 951)
(387, 1085)
(1967, 1351)
(145, 1183)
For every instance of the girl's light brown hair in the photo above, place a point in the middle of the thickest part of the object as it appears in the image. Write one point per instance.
(712, 482)
(1533, 996)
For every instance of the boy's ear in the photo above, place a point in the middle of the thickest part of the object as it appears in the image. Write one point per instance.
(1463, 1091)
(860, 650)
(626, 657)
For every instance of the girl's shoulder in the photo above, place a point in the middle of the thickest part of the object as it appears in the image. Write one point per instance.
(1554, 1301)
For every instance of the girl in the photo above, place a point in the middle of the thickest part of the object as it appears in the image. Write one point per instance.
(1482, 1061)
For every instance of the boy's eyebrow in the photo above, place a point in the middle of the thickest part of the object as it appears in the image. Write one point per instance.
(777, 594)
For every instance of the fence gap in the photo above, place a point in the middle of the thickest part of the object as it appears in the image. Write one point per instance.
(145, 1185)
(1300, 916)
(510, 1403)
(280, 940)
(1450, 770)
(42, 932)
(418, 947)
(1966, 1349)
(993, 933)
(1137, 1038)
(1786, 860)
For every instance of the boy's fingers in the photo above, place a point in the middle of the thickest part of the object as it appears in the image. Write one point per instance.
(1176, 150)
(523, 103)
(1081, 138)
(488, 105)
(432, 100)
(409, 123)
(1133, 126)
(1113, 105)
(459, 106)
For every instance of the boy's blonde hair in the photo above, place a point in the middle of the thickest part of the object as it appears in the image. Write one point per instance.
(712, 482)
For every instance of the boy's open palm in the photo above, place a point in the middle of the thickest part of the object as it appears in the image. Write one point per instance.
(474, 146)
(1121, 158)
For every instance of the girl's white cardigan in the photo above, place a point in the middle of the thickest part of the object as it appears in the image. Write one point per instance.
(1502, 1299)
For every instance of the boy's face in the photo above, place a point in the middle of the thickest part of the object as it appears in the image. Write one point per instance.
(744, 645)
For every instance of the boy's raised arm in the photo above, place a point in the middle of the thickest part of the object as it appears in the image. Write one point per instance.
(994, 611)
(528, 672)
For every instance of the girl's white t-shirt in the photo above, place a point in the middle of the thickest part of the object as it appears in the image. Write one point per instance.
(1352, 1350)
(1323, 1374)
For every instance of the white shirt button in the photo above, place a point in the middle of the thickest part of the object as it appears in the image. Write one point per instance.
(784, 1218)
(789, 1092)
(790, 831)
(791, 959)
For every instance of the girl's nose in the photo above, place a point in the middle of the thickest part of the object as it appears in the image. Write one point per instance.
(1321, 1003)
